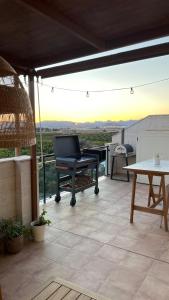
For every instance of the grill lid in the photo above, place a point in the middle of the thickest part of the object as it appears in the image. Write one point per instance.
(123, 149)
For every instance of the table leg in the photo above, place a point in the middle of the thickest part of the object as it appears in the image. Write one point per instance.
(151, 192)
(165, 203)
(112, 167)
(159, 192)
(133, 197)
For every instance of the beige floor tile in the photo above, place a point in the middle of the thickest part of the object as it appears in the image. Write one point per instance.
(64, 225)
(27, 290)
(54, 271)
(165, 255)
(160, 271)
(88, 246)
(53, 251)
(102, 236)
(126, 279)
(123, 242)
(100, 267)
(13, 281)
(93, 222)
(68, 239)
(153, 289)
(75, 259)
(107, 289)
(82, 230)
(112, 228)
(52, 233)
(149, 248)
(32, 263)
(87, 279)
(102, 217)
(137, 263)
(133, 232)
(94, 245)
(111, 253)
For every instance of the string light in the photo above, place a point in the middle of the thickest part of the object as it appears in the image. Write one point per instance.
(41, 80)
(25, 80)
(131, 91)
(87, 94)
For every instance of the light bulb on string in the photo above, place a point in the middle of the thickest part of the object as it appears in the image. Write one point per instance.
(41, 81)
(131, 91)
(87, 94)
(25, 80)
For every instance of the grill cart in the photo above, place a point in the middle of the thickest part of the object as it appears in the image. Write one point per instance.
(79, 168)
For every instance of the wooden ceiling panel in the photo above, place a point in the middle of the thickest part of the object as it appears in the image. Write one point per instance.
(42, 32)
(29, 37)
(120, 17)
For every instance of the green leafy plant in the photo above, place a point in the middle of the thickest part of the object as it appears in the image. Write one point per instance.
(42, 219)
(12, 229)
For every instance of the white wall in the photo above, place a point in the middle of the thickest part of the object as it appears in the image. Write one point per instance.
(152, 122)
(151, 142)
(116, 138)
(7, 188)
(15, 188)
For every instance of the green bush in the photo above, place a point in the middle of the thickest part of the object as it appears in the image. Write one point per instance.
(11, 228)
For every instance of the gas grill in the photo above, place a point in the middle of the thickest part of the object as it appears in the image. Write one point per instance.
(79, 167)
(123, 151)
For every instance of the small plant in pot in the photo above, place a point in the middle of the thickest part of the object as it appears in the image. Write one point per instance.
(13, 233)
(38, 227)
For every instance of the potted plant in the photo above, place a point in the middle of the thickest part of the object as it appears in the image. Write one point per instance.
(38, 227)
(13, 233)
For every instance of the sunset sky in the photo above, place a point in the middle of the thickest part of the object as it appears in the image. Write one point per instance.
(117, 105)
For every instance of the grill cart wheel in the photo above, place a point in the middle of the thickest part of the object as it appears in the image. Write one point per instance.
(96, 190)
(57, 198)
(73, 202)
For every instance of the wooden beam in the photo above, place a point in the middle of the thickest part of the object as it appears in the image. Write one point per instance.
(62, 57)
(139, 37)
(20, 66)
(24, 71)
(53, 14)
(34, 189)
(115, 59)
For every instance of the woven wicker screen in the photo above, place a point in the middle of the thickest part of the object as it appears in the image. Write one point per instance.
(16, 117)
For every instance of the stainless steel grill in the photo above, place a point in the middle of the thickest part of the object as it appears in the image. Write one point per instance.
(123, 149)
(122, 152)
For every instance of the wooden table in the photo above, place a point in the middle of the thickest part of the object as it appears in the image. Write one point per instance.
(149, 169)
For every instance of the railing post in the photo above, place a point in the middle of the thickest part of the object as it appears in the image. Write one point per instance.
(44, 181)
(34, 190)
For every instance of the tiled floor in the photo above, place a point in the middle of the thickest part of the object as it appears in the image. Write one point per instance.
(94, 246)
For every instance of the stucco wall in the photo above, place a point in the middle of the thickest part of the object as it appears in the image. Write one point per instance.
(15, 188)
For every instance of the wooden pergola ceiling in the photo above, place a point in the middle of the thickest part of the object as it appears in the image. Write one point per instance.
(36, 33)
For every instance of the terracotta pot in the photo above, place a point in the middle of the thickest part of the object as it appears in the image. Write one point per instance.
(38, 232)
(14, 245)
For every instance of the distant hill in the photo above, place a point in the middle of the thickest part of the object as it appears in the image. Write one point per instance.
(87, 125)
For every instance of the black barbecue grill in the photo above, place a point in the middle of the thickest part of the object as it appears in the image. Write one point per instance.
(78, 166)
(123, 151)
